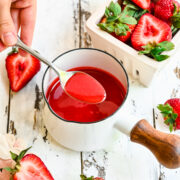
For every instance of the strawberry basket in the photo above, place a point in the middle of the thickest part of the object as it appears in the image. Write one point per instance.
(140, 67)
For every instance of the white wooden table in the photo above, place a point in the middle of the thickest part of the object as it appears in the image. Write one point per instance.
(60, 27)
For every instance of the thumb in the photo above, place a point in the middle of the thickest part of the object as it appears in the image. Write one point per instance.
(7, 29)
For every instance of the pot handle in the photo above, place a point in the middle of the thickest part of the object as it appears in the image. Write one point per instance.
(165, 147)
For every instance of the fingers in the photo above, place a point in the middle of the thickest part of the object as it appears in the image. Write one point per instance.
(27, 20)
(15, 18)
(2, 46)
(22, 3)
(7, 29)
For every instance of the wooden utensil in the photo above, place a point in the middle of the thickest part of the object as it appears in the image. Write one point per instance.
(166, 147)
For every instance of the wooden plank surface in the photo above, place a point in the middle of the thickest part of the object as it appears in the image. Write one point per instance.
(4, 94)
(54, 34)
(166, 86)
(60, 27)
(123, 159)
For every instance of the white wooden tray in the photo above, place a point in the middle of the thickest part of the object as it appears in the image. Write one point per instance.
(140, 67)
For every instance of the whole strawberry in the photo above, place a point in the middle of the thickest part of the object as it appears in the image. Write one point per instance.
(83, 177)
(28, 167)
(171, 113)
(168, 11)
(164, 9)
(122, 38)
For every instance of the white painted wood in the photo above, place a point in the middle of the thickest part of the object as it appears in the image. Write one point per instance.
(123, 159)
(54, 34)
(167, 86)
(4, 93)
(57, 30)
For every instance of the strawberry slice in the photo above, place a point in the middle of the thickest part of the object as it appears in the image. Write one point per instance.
(144, 4)
(150, 30)
(28, 167)
(20, 69)
(31, 167)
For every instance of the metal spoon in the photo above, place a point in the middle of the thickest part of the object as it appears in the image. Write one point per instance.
(64, 76)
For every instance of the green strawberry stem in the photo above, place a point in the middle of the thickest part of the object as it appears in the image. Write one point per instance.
(133, 10)
(83, 177)
(14, 50)
(17, 159)
(155, 50)
(175, 19)
(117, 21)
(169, 115)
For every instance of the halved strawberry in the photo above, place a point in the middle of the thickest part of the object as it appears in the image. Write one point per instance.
(21, 70)
(144, 4)
(28, 167)
(150, 30)
(31, 167)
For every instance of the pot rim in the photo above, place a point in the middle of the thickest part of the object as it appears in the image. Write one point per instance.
(77, 49)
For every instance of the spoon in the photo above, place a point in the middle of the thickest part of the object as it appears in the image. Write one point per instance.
(76, 84)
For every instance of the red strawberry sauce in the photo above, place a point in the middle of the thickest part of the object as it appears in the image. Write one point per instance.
(74, 110)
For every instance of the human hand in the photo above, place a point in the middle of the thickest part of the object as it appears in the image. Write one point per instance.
(16, 14)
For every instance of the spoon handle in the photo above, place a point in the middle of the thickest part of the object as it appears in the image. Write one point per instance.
(21, 45)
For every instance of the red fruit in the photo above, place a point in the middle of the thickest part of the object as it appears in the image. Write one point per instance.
(151, 9)
(21, 70)
(175, 104)
(144, 4)
(164, 9)
(171, 112)
(149, 30)
(103, 20)
(128, 33)
(97, 178)
(31, 167)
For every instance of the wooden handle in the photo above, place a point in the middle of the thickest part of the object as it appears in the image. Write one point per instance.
(166, 147)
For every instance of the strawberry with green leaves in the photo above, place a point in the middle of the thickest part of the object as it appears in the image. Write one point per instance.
(154, 50)
(151, 37)
(117, 23)
(83, 177)
(171, 113)
(28, 167)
